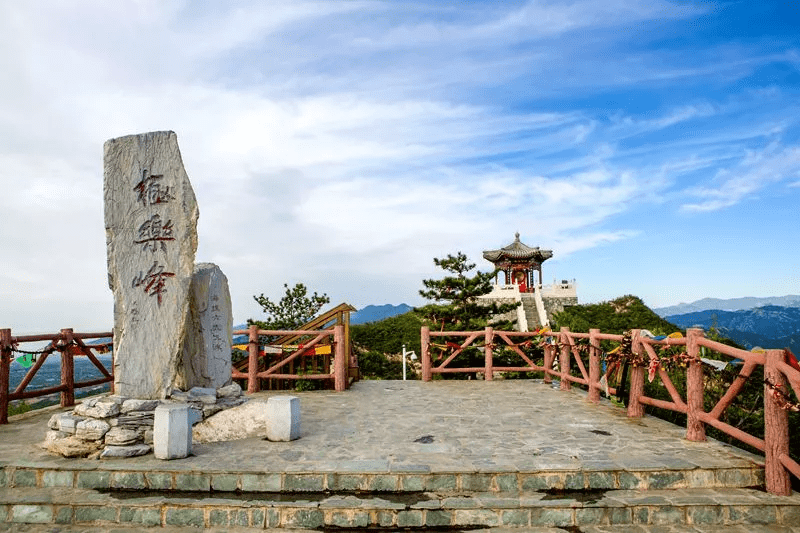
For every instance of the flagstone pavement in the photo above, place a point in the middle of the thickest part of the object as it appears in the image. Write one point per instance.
(439, 426)
(436, 427)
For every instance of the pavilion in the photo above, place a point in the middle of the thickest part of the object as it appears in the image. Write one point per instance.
(518, 261)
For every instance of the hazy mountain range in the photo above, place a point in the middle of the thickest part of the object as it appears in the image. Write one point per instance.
(732, 304)
(370, 313)
(770, 326)
(374, 313)
(772, 322)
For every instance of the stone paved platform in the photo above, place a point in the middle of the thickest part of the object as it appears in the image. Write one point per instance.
(432, 429)
(465, 453)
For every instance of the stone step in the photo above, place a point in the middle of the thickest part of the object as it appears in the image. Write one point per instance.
(531, 313)
(706, 507)
(45, 528)
(747, 528)
(123, 477)
(742, 528)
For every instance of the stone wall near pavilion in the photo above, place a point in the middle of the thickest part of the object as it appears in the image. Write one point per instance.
(504, 294)
(558, 296)
(555, 298)
(558, 304)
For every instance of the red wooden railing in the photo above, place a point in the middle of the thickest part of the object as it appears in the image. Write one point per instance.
(70, 345)
(279, 368)
(566, 345)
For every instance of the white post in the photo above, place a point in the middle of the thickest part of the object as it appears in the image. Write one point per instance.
(404, 362)
(410, 354)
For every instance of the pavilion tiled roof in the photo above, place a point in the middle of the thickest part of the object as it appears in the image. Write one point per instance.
(517, 251)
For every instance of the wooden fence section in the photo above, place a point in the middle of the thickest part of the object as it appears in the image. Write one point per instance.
(280, 368)
(779, 379)
(70, 345)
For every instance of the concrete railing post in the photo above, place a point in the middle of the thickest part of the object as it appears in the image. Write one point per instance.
(425, 348)
(594, 366)
(252, 360)
(487, 347)
(695, 429)
(340, 360)
(636, 408)
(776, 428)
(5, 364)
(564, 359)
(67, 369)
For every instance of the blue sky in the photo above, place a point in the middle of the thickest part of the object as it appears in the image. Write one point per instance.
(652, 145)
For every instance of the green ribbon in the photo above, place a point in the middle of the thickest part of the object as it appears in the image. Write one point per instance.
(25, 360)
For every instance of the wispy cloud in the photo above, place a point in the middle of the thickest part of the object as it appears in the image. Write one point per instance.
(756, 171)
(347, 143)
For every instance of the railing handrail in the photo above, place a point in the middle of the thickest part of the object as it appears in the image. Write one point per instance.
(339, 374)
(57, 336)
(282, 332)
(775, 444)
(69, 344)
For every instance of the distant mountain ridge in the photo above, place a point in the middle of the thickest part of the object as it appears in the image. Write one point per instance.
(370, 313)
(769, 326)
(375, 313)
(731, 304)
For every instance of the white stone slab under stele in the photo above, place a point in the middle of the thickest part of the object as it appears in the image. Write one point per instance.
(172, 431)
(283, 418)
(151, 239)
(241, 422)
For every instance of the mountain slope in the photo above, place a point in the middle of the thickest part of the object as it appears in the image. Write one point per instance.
(616, 316)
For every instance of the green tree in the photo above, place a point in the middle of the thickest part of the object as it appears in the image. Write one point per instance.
(375, 365)
(388, 336)
(377, 341)
(456, 306)
(294, 309)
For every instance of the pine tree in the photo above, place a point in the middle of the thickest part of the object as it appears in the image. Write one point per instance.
(456, 306)
(293, 310)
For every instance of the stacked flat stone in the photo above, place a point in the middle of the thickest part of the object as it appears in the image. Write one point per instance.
(113, 426)
(205, 401)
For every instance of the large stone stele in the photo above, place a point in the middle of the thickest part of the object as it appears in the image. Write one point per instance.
(207, 346)
(151, 234)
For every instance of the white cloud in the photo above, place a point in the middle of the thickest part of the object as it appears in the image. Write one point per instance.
(631, 126)
(569, 244)
(348, 143)
(753, 173)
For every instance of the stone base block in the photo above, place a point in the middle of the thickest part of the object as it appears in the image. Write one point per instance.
(283, 418)
(172, 432)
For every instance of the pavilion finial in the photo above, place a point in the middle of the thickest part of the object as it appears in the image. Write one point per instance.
(516, 236)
